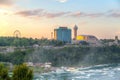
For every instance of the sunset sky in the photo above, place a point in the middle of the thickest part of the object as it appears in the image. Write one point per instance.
(38, 18)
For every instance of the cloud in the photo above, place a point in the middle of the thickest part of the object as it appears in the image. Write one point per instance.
(40, 13)
(43, 13)
(109, 13)
(57, 14)
(62, 1)
(82, 14)
(6, 2)
(30, 13)
(95, 15)
(114, 13)
(77, 14)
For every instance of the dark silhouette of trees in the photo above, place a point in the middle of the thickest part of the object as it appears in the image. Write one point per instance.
(19, 42)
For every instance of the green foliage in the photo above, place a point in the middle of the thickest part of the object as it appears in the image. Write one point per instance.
(17, 57)
(77, 56)
(22, 72)
(62, 56)
(3, 73)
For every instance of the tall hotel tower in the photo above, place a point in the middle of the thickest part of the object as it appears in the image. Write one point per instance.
(62, 34)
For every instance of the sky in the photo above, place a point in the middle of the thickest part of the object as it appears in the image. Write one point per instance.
(38, 18)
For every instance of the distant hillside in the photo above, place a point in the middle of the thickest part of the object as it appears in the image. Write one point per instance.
(66, 56)
(77, 56)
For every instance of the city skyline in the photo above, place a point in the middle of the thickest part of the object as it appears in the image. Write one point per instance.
(38, 18)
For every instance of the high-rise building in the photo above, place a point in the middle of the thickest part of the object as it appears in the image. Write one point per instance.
(75, 31)
(62, 34)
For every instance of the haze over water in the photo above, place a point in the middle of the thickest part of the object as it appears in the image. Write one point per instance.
(98, 72)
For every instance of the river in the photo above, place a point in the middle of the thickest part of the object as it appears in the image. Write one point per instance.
(98, 72)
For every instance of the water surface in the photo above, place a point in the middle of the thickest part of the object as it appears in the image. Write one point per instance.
(98, 72)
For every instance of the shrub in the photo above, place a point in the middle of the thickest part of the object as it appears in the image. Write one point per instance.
(3, 73)
(22, 72)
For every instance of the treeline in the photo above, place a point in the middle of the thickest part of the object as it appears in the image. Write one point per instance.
(13, 41)
(108, 40)
(17, 57)
(77, 56)
(66, 56)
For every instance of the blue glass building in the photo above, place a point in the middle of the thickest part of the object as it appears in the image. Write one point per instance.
(62, 34)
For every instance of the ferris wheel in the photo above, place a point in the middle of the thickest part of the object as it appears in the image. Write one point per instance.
(17, 33)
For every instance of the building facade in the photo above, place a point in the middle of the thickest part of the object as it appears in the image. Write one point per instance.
(87, 38)
(62, 34)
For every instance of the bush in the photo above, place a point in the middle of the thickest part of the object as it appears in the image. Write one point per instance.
(3, 73)
(22, 72)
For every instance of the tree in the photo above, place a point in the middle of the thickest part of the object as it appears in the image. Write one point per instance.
(3, 73)
(22, 72)
(16, 42)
